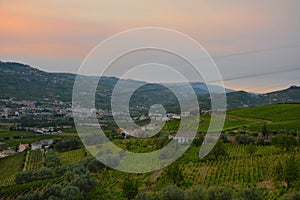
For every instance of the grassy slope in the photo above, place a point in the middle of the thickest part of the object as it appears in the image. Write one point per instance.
(72, 156)
(277, 117)
(274, 113)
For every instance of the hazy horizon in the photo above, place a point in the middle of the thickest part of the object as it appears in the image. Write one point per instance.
(255, 44)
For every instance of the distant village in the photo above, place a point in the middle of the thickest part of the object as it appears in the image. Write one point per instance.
(52, 117)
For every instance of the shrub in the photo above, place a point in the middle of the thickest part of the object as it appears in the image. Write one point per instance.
(142, 196)
(195, 194)
(284, 142)
(249, 194)
(172, 192)
(220, 194)
(67, 145)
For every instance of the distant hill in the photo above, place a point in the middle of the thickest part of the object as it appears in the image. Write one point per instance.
(245, 99)
(24, 82)
(242, 99)
(290, 95)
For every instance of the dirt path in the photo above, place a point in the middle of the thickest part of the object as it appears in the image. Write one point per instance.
(229, 116)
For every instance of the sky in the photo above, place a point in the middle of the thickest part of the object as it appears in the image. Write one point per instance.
(255, 44)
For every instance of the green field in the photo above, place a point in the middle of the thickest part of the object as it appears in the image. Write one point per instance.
(73, 156)
(279, 117)
(9, 166)
(274, 113)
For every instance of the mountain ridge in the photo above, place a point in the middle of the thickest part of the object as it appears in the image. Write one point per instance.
(25, 82)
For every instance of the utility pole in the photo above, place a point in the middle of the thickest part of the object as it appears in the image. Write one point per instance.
(298, 139)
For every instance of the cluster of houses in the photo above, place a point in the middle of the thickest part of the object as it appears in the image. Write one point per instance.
(168, 116)
(22, 147)
(23, 108)
(42, 130)
(180, 137)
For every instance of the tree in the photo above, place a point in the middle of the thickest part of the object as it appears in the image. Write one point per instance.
(77, 175)
(52, 160)
(52, 192)
(195, 194)
(174, 173)
(92, 164)
(250, 194)
(220, 194)
(68, 145)
(71, 192)
(130, 188)
(264, 131)
(172, 192)
(251, 149)
(244, 139)
(84, 182)
(287, 170)
(142, 196)
(294, 196)
(32, 196)
(198, 141)
(23, 177)
(218, 150)
(284, 142)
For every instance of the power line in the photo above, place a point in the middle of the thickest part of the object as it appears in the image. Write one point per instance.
(242, 53)
(254, 51)
(230, 79)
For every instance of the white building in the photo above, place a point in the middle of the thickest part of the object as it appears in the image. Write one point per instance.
(183, 137)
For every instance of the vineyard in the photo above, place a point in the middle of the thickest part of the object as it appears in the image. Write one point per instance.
(9, 166)
(8, 193)
(35, 160)
(236, 170)
(72, 156)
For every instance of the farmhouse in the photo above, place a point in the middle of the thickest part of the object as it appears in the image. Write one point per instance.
(38, 145)
(22, 147)
(183, 137)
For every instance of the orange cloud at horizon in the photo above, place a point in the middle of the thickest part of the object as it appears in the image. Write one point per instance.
(37, 29)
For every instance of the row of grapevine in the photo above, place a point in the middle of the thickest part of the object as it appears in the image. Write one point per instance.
(35, 160)
(237, 169)
(22, 189)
